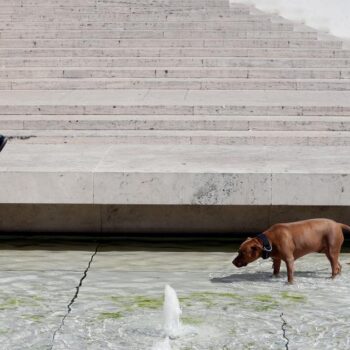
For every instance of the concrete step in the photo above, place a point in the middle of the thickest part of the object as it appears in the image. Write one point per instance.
(165, 26)
(175, 84)
(202, 137)
(175, 102)
(119, 3)
(132, 72)
(175, 174)
(161, 43)
(156, 34)
(175, 52)
(173, 122)
(50, 12)
(171, 62)
(109, 16)
(173, 72)
(95, 17)
(139, 8)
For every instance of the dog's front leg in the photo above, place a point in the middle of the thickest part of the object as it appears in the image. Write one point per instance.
(290, 269)
(276, 266)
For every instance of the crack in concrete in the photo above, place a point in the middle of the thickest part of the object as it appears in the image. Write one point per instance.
(283, 327)
(69, 306)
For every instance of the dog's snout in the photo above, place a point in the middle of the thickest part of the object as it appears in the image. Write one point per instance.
(236, 263)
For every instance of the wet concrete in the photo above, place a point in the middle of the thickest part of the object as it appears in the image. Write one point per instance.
(108, 295)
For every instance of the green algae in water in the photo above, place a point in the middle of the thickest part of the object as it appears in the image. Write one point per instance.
(34, 318)
(266, 307)
(250, 346)
(110, 315)
(298, 298)
(215, 294)
(210, 299)
(192, 320)
(10, 303)
(148, 302)
(138, 302)
(13, 303)
(265, 298)
(266, 302)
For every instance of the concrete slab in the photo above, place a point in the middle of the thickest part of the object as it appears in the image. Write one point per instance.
(37, 283)
(142, 34)
(164, 174)
(174, 97)
(174, 63)
(204, 282)
(173, 72)
(177, 84)
(161, 43)
(175, 52)
(172, 122)
(185, 137)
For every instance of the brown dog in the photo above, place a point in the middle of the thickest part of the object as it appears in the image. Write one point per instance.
(291, 241)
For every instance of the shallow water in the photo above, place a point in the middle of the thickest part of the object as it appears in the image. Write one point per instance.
(119, 304)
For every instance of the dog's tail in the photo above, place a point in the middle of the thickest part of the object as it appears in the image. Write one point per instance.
(345, 227)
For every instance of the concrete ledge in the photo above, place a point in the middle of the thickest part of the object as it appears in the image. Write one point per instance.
(173, 72)
(118, 3)
(139, 219)
(168, 43)
(176, 83)
(155, 34)
(175, 175)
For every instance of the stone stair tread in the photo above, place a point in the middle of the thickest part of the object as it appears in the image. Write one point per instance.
(234, 19)
(183, 62)
(290, 53)
(156, 68)
(184, 133)
(174, 158)
(172, 79)
(177, 83)
(169, 43)
(174, 122)
(175, 174)
(174, 97)
(140, 117)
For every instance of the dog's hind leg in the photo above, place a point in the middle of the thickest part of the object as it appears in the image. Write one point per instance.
(333, 257)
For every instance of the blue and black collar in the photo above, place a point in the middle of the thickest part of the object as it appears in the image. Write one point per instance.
(267, 248)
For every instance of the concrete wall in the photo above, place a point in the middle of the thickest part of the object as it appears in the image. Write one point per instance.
(155, 219)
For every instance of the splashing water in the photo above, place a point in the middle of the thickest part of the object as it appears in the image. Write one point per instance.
(171, 313)
(171, 318)
(163, 345)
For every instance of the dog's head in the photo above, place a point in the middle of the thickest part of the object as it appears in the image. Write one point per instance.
(249, 251)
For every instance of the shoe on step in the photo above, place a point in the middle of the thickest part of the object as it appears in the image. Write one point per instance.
(3, 141)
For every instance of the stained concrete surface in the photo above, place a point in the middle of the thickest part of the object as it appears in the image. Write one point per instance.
(110, 296)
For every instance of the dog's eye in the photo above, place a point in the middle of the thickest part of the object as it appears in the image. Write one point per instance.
(254, 249)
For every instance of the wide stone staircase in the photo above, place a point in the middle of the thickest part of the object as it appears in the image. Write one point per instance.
(182, 102)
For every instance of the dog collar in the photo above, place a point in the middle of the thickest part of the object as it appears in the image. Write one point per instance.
(267, 248)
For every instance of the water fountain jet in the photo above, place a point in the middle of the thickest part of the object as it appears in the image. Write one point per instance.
(171, 313)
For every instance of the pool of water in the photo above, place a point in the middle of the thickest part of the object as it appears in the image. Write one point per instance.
(51, 298)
